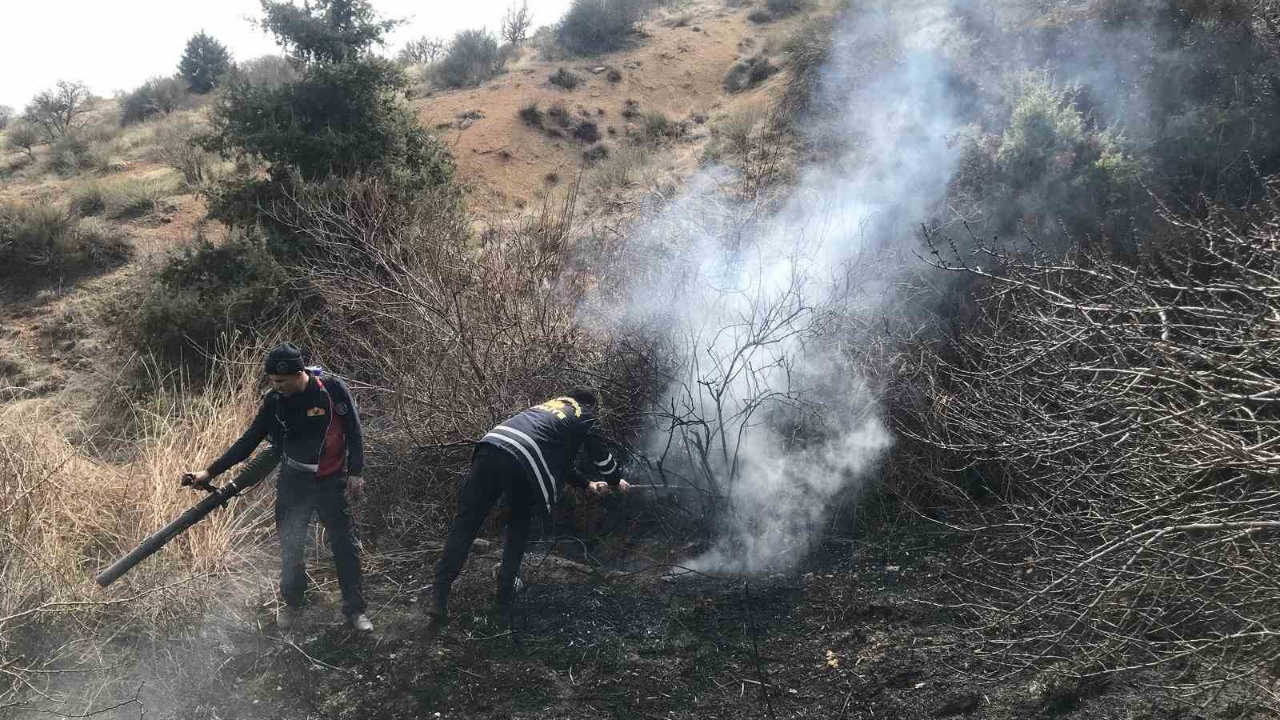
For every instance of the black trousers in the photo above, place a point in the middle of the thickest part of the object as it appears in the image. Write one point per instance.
(299, 495)
(493, 473)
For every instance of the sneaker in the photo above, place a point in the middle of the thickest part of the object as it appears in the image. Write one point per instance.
(360, 622)
(286, 617)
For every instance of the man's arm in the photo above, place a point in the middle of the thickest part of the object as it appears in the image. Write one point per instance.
(603, 460)
(244, 447)
(353, 427)
(598, 450)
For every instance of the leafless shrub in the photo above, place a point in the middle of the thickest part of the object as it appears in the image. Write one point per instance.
(1125, 417)
(421, 51)
(516, 23)
(60, 109)
(414, 280)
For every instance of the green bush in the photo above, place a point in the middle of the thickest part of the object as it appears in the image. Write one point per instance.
(1044, 127)
(586, 131)
(337, 119)
(6, 116)
(35, 236)
(559, 112)
(530, 114)
(657, 127)
(204, 291)
(101, 244)
(47, 239)
(565, 79)
(204, 63)
(622, 168)
(598, 26)
(70, 154)
(22, 136)
(157, 96)
(748, 73)
(473, 57)
(177, 145)
(125, 198)
(1053, 176)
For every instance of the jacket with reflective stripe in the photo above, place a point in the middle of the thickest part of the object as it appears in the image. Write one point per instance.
(298, 424)
(545, 440)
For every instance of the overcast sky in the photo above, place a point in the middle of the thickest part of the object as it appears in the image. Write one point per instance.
(116, 44)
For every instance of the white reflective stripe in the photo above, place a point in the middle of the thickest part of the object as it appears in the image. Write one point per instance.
(528, 457)
(300, 465)
(605, 461)
(610, 471)
(533, 444)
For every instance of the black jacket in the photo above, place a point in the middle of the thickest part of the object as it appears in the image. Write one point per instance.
(297, 423)
(545, 439)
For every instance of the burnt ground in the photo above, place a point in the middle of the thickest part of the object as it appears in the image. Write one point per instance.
(850, 634)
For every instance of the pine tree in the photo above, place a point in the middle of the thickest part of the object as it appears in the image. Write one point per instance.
(204, 63)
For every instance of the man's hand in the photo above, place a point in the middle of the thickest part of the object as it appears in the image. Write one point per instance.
(195, 478)
(355, 487)
(602, 488)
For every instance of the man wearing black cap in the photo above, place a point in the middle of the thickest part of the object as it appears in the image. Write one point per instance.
(526, 458)
(314, 421)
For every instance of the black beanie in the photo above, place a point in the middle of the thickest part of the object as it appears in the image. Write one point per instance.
(284, 359)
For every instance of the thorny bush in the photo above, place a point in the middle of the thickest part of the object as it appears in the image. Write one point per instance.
(1132, 409)
(452, 333)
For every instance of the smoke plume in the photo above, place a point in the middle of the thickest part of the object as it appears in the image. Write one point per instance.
(769, 413)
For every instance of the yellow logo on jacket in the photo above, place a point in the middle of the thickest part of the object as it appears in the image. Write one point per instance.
(315, 412)
(559, 406)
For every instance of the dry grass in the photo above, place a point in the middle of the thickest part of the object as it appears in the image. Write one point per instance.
(65, 515)
(120, 197)
(625, 168)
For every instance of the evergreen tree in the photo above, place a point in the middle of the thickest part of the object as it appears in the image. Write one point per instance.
(204, 63)
(343, 116)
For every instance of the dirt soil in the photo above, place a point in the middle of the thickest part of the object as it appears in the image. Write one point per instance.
(850, 634)
(677, 70)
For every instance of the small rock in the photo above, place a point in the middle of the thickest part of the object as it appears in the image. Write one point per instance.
(67, 345)
(598, 70)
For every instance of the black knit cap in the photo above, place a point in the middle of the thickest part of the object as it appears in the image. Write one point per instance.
(284, 359)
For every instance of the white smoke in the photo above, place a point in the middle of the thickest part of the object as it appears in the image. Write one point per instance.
(768, 411)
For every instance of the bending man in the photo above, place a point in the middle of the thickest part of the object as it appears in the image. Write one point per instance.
(526, 458)
(316, 425)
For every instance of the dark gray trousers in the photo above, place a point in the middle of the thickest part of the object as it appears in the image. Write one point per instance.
(299, 495)
(493, 473)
